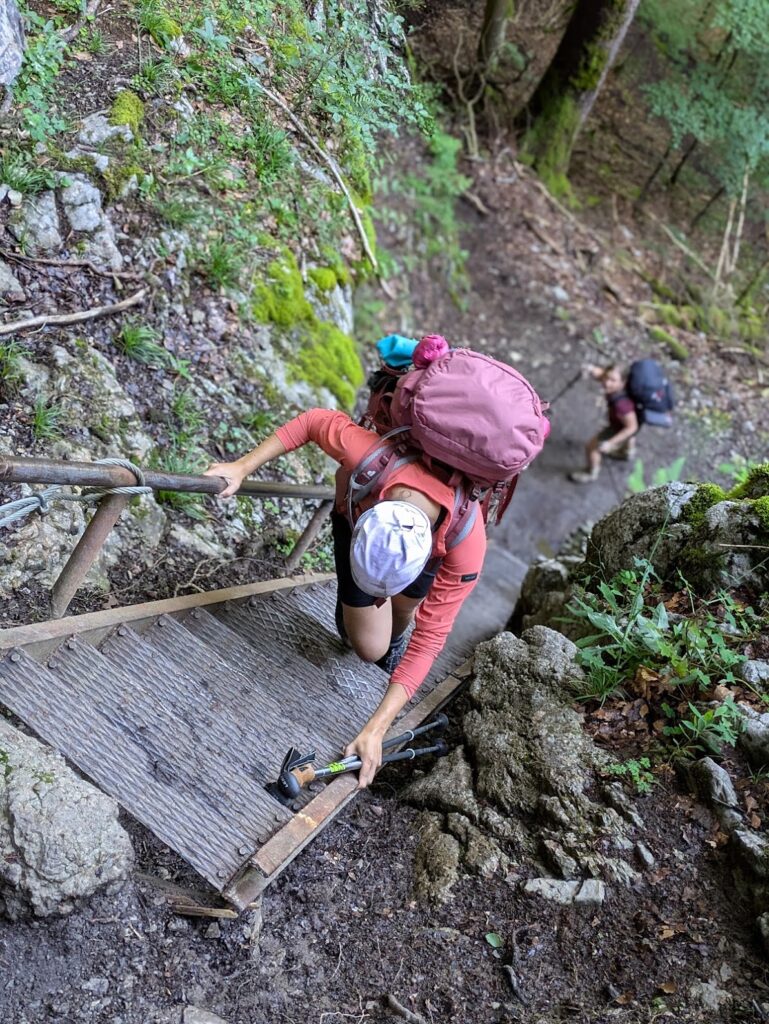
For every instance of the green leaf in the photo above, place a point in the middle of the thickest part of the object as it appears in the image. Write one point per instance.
(494, 940)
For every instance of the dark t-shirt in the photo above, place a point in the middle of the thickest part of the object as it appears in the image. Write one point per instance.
(619, 407)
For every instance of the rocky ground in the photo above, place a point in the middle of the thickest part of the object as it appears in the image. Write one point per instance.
(672, 936)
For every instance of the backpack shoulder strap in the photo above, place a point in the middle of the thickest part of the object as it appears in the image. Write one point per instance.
(376, 467)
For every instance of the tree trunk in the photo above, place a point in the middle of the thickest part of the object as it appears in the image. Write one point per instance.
(562, 101)
(492, 37)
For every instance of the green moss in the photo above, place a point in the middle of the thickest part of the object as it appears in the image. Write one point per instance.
(705, 496)
(548, 143)
(116, 176)
(700, 568)
(127, 109)
(357, 164)
(329, 359)
(678, 316)
(677, 349)
(761, 508)
(755, 486)
(324, 278)
(280, 298)
(591, 69)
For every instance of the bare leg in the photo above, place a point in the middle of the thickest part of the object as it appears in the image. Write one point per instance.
(404, 609)
(369, 630)
(593, 455)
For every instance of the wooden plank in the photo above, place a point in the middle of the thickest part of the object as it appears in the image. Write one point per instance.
(278, 852)
(20, 636)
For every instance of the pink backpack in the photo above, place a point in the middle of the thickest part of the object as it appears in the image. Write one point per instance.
(475, 419)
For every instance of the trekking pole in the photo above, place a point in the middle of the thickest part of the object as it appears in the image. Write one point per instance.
(566, 388)
(297, 771)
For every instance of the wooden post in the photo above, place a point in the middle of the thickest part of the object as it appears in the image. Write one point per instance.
(311, 531)
(86, 551)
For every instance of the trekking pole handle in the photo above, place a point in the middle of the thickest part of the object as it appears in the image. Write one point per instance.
(352, 764)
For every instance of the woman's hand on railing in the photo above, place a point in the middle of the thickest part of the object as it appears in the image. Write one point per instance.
(229, 471)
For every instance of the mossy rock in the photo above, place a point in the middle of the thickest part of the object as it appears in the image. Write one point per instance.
(127, 109)
(324, 278)
(329, 359)
(279, 298)
(755, 486)
(677, 349)
(705, 497)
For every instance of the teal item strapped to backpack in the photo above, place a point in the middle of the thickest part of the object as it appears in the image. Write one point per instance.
(396, 351)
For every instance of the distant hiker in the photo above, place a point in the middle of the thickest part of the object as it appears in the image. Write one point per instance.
(409, 530)
(617, 439)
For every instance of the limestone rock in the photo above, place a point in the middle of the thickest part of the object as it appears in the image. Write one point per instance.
(554, 890)
(11, 41)
(755, 672)
(82, 203)
(752, 848)
(10, 289)
(754, 738)
(763, 929)
(633, 529)
(36, 224)
(518, 786)
(96, 129)
(194, 1015)
(59, 836)
(709, 995)
(437, 860)
(715, 787)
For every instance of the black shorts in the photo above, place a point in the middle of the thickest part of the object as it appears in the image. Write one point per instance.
(348, 590)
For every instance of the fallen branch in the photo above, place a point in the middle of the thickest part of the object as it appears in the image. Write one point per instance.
(753, 547)
(515, 985)
(68, 34)
(682, 245)
(73, 318)
(476, 202)
(64, 264)
(331, 163)
(402, 1011)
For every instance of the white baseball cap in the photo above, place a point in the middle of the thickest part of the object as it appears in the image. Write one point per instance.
(390, 546)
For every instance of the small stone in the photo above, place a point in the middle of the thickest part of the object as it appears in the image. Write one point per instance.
(194, 1015)
(553, 889)
(14, 197)
(709, 995)
(560, 294)
(645, 856)
(213, 931)
(591, 894)
(4, 190)
(753, 850)
(98, 985)
(36, 224)
(755, 672)
(763, 929)
(10, 289)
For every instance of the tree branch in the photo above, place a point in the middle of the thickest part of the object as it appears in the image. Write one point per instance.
(73, 318)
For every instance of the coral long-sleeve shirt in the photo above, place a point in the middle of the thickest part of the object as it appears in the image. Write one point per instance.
(347, 443)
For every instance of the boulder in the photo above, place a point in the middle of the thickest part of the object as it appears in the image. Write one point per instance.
(60, 840)
(11, 41)
(36, 224)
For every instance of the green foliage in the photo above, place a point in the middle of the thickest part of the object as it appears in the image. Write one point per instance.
(140, 342)
(188, 414)
(636, 771)
(714, 83)
(431, 198)
(34, 88)
(155, 19)
(222, 263)
(677, 349)
(154, 76)
(176, 459)
(706, 730)
(636, 482)
(11, 370)
(631, 630)
(704, 498)
(46, 419)
(19, 171)
(754, 485)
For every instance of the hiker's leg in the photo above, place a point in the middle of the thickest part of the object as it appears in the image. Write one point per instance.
(369, 630)
(403, 611)
(366, 626)
(593, 454)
